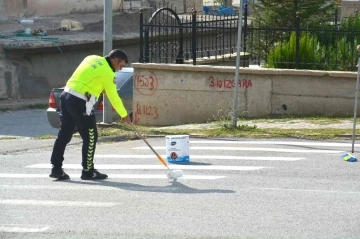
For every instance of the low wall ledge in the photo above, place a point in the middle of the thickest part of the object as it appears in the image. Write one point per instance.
(230, 69)
(50, 42)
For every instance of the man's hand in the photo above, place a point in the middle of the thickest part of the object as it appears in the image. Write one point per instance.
(126, 120)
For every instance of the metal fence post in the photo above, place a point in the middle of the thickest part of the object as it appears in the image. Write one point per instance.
(336, 16)
(297, 47)
(141, 59)
(180, 56)
(147, 47)
(245, 32)
(193, 38)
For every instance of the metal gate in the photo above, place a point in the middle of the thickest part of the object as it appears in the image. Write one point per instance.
(161, 39)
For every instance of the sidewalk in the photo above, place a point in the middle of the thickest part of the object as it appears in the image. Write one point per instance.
(287, 123)
(23, 103)
(274, 123)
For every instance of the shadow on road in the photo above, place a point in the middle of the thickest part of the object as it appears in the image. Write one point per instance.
(175, 187)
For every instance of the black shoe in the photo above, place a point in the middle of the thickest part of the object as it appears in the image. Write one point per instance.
(59, 174)
(92, 174)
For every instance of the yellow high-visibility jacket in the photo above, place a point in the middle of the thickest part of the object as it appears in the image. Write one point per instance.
(93, 75)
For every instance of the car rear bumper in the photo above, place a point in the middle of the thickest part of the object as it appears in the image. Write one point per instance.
(53, 117)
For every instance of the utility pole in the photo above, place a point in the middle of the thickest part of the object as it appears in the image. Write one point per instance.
(107, 112)
(236, 89)
(356, 100)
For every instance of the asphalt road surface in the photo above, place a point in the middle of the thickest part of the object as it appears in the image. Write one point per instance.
(230, 189)
(25, 124)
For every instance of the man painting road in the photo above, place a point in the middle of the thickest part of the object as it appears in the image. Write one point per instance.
(94, 75)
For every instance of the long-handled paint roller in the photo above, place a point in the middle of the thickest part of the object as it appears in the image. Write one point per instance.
(171, 174)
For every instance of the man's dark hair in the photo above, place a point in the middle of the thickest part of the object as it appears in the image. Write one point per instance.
(119, 54)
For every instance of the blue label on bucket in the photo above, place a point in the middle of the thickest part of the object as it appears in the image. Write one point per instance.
(183, 159)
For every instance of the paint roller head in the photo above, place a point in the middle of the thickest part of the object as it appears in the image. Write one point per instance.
(174, 174)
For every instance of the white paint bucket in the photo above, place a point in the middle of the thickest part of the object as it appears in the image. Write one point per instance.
(177, 148)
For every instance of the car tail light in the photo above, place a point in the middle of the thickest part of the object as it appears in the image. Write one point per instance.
(52, 101)
(101, 105)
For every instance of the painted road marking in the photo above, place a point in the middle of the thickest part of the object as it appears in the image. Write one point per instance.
(151, 156)
(22, 228)
(54, 187)
(255, 149)
(305, 190)
(186, 167)
(102, 188)
(87, 187)
(117, 176)
(292, 143)
(56, 203)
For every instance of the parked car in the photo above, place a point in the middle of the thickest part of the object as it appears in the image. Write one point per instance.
(124, 85)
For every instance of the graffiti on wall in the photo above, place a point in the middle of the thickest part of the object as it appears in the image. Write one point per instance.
(145, 110)
(146, 83)
(217, 83)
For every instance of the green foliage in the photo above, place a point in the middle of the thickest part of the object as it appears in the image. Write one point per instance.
(346, 57)
(331, 48)
(351, 23)
(284, 54)
(279, 17)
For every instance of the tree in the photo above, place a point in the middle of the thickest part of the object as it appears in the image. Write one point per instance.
(277, 20)
(282, 13)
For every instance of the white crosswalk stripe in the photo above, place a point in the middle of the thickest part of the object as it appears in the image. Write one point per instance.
(56, 203)
(22, 228)
(132, 166)
(283, 150)
(117, 176)
(285, 143)
(224, 157)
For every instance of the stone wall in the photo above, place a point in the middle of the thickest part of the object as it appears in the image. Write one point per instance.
(31, 71)
(9, 87)
(179, 94)
(13, 8)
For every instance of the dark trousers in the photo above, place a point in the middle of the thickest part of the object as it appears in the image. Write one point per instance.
(73, 116)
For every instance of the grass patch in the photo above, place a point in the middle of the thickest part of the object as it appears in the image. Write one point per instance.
(7, 138)
(333, 119)
(47, 136)
(37, 106)
(227, 131)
